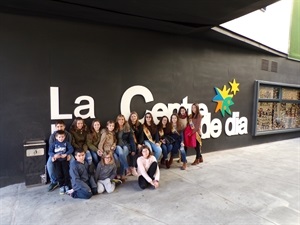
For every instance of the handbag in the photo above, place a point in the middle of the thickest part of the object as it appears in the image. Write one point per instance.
(169, 140)
(189, 138)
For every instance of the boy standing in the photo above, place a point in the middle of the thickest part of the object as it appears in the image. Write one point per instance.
(59, 151)
(59, 125)
(84, 185)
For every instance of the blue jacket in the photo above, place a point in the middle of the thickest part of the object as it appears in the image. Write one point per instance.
(79, 176)
(60, 148)
(68, 137)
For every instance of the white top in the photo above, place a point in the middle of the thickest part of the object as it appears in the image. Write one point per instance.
(143, 166)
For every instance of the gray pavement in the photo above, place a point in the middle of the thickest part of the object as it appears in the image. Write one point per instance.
(245, 186)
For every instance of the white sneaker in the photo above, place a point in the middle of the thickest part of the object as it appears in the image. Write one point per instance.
(67, 188)
(62, 190)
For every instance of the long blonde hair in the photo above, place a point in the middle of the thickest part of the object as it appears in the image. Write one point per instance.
(126, 127)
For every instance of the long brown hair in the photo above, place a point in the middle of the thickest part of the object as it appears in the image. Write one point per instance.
(178, 128)
(74, 124)
(137, 121)
(179, 113)
(93, 132)
(152, 128)
(168, 125)
(195, 115)
(146, 147)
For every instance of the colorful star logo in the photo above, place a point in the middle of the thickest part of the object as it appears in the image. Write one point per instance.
(224, 99)
(234, 87)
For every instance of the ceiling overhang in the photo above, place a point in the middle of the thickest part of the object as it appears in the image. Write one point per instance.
(188, 17)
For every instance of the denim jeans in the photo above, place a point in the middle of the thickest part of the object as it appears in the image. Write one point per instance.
(95, 157)
(183, 154)
(154, 148)
(177, 147)
(166, 149)
(83, 194)
(88, 157)
(121, 154)
(50, 169)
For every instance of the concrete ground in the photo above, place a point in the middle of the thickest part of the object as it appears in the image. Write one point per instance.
(245, 186)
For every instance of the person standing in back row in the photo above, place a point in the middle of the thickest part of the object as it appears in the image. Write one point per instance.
(195, 125)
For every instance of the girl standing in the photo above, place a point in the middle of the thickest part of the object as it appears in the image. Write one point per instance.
(182, 118)
(195, 123)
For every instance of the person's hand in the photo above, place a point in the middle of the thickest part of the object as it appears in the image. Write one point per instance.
(182, 144)
(53, 159)
(68, 157)
(152, 183)
(63, 156)
(132, 153)
(139, 146)
(155, 183)
(99, 153)
(157, 144)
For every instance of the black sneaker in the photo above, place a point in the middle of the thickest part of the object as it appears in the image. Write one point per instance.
(52, 186)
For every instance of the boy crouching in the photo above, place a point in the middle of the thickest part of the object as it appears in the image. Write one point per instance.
(84, 185)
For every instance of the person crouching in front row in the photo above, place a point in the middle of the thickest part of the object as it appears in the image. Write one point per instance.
(84, 185)
(148, 169)
(106, 172)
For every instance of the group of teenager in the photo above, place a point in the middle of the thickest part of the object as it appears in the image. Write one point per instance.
(83, 162)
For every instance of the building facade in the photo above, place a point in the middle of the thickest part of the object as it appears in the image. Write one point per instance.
(57, 69)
